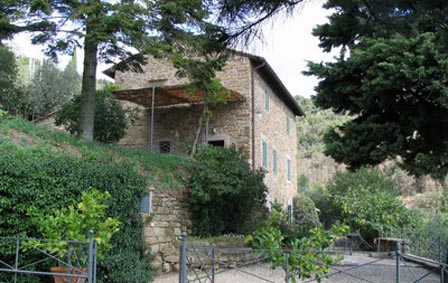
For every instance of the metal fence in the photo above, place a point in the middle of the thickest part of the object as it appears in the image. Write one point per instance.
(24, 260)
(207, 263)
(429, 244)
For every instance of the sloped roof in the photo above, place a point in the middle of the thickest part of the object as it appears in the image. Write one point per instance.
(268, 74)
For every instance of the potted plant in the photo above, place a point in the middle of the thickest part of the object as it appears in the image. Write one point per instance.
(73, 224)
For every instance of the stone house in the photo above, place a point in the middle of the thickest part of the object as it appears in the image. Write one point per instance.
(258, 118)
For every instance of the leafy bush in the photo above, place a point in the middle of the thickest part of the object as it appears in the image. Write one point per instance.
(3, 113)
(430, 238)
(74, 224)
(111, 119)
(329, 213)
(368, 203)
(42, 178)
(304, 211)
(223, 191)
(306, 254)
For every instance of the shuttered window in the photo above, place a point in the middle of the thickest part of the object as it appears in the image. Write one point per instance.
(289, 166)
(265, 154)
(274, 162)
(266, 101)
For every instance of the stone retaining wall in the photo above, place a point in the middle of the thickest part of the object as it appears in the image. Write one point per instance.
(170, 217)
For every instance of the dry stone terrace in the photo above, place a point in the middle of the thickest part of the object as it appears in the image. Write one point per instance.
(168, 219)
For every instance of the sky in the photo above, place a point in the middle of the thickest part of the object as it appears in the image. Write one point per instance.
(287, 45)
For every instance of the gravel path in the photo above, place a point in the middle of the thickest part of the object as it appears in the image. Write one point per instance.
(377, 270)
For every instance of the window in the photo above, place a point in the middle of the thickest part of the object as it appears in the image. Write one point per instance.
(274, 162)
(288, 125)
(216, 143)
(146, 203)
(265, 154)
(289, 168)
(266, 101)
(165, 146)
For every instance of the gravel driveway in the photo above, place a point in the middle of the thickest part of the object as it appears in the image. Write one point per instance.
(359, 268)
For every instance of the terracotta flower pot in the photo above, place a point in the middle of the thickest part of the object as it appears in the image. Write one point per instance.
(66, 270)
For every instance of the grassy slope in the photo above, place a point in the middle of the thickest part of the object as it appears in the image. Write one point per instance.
(163, 171)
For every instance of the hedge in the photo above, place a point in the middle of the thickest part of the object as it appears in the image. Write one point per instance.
(39, 176)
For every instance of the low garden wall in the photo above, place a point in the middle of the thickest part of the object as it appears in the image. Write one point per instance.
(168, 218)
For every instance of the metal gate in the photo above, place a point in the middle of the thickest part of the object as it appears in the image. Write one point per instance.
(205, 263)
(21, 259)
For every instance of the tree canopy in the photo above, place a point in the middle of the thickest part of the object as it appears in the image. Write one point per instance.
(392, 76)
(114, 30)
(314, 125)
(11, 93)
(111, 118)
(50, 87)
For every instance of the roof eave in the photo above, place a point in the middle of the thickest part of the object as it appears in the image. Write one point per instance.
(269, 73)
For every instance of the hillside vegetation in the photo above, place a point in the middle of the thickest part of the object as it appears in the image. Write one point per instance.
(46, 170)
(317, 168)
(163, 171)
(373, 200)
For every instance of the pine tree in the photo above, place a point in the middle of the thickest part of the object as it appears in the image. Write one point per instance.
(392, 77)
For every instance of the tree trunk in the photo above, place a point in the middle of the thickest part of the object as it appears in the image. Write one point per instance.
(198, 132)
(87, 112)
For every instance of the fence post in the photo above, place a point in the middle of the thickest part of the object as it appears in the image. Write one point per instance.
(90, 263)
(16, 264)
(398, 260)
(183, 259)
(289, 215)
(286, 266)
(213, 263)
(95, 254)
(442, 273)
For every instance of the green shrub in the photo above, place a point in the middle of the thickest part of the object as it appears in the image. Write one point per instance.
(74, 223)
(329, 213)
(368, 203)
(3, 113)
(111, 119)
(304, 211)
(430, 240)
(224, 191)
(307, 254)
(41, 178)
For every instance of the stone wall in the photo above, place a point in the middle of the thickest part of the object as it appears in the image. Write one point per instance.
(179, 126)
(235, 75)
(169, 217)
(231, 123)
(271, 127)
